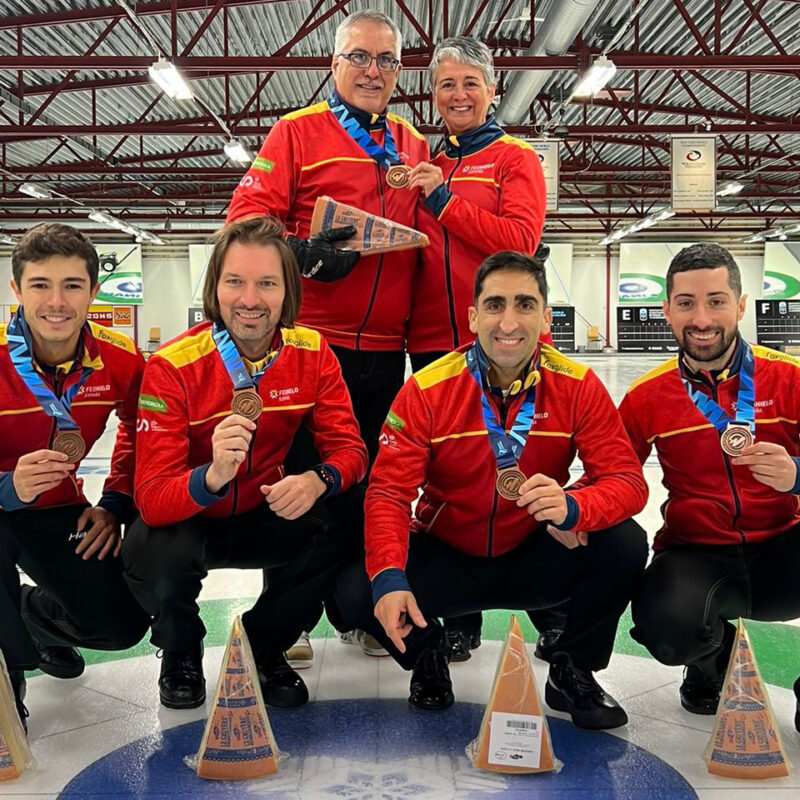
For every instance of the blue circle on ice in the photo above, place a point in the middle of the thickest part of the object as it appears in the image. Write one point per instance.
(364, 749)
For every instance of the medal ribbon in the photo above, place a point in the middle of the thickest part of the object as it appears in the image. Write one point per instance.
(507, 448)
(21, 353)
(234, 366)
(385, 156)
(745, 409)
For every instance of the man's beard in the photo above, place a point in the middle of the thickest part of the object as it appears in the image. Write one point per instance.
(704, 355)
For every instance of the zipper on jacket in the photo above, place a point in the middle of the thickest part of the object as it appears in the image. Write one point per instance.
(380, 265)
(503, 416)
(447, 272)
(736, 503)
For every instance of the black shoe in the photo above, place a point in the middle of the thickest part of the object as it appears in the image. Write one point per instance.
(19, 686)
(547, 644)
(576, 691)
(280, 684)
(699, 692)
(431, 687)
(458, 645)
(797, 710)
(701, 688)
(182, 684)
(60, 662)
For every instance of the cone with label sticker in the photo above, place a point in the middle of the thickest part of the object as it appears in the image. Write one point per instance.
(373, 234)
(238, 743)
(746, 742)
(15, 753)
(514, 735)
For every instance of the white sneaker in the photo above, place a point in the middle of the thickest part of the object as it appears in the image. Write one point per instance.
(369, 645)
(300, 655)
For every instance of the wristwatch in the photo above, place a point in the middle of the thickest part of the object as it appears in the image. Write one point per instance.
(326, 475)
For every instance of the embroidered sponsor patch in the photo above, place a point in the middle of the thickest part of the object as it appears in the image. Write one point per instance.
(393, 421)
(150, 403)
(263, 164)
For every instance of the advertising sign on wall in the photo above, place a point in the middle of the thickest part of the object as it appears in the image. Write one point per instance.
(781, 270)
(547, 150)
(643, 270)
(120, 273)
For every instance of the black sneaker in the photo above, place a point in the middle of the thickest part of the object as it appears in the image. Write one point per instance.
(701, 688)
(280, 685)
(182, 684)
(547, 644)
(60, 662)
(576, 691)
(797, 709)
(431, 687)
(19, 687)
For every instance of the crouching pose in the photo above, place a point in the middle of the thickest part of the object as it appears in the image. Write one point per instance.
(490, 431)
(218, 411)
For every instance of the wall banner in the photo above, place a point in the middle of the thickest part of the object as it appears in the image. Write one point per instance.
(781, 270)
(643, 270)
(120, 273)
(547, 150)
(694, 172)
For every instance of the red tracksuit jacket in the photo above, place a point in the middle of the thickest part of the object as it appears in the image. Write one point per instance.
(186, 392)
(493, 199)
(308, 154)
(113, 385)
(710, 500)
(435, 438)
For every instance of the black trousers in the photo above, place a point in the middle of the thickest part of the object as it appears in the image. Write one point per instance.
(75, 602)
(688, 592)
(598, 581)
(165, 567)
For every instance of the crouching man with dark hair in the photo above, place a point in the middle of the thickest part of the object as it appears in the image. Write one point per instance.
(60, 379)
(219, 408)
(489, 431)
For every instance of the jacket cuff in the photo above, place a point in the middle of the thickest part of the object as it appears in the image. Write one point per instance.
(118, 504)
(438, 199)
(390, 580)
(796, 488)
(197, 487)
(573, 513)
(9, 500)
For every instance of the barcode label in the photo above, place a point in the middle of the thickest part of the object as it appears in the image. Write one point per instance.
(516, 723)
(515, 740)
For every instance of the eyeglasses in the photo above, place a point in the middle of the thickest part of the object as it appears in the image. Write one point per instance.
(361, 60)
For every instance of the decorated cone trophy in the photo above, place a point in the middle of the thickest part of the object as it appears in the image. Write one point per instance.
(373, 234)
(15, 754)
(745, 742)
(514, 735)
(238, 743)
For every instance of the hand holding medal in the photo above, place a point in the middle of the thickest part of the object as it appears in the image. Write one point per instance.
(229, 445)
(39, 472)
(544, 498)
(426, 177)
(770, 464)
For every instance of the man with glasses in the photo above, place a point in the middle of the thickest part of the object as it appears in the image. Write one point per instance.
(344, 147)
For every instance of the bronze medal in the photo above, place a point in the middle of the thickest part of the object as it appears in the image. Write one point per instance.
(735, 438)
(247, 403)
(398, 176)
(509, 482)
(71, 444)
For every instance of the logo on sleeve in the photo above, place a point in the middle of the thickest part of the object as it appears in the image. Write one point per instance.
(393, 421)
(263, 165)
(150, 403)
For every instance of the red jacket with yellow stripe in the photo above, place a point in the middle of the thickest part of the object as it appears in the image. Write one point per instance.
(186, 392)
(308, 154)
(435, 438)
(493, 199)
(113, 385)
(711, 501)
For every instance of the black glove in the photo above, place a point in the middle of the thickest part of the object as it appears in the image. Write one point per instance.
(319, 259)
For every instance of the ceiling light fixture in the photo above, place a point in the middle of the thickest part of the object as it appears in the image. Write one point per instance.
(237, 152)
(729, 188)
(595, 78)
(36, 190)
(166, 75)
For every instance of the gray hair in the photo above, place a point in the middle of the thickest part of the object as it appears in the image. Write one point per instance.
(465, 50)
(368, 15)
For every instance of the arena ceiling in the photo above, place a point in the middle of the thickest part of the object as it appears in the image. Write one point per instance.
(80, 117)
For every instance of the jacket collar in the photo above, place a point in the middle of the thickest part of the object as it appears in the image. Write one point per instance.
(529, 376)
(465, 144)
(713, 377)
(369, 122)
